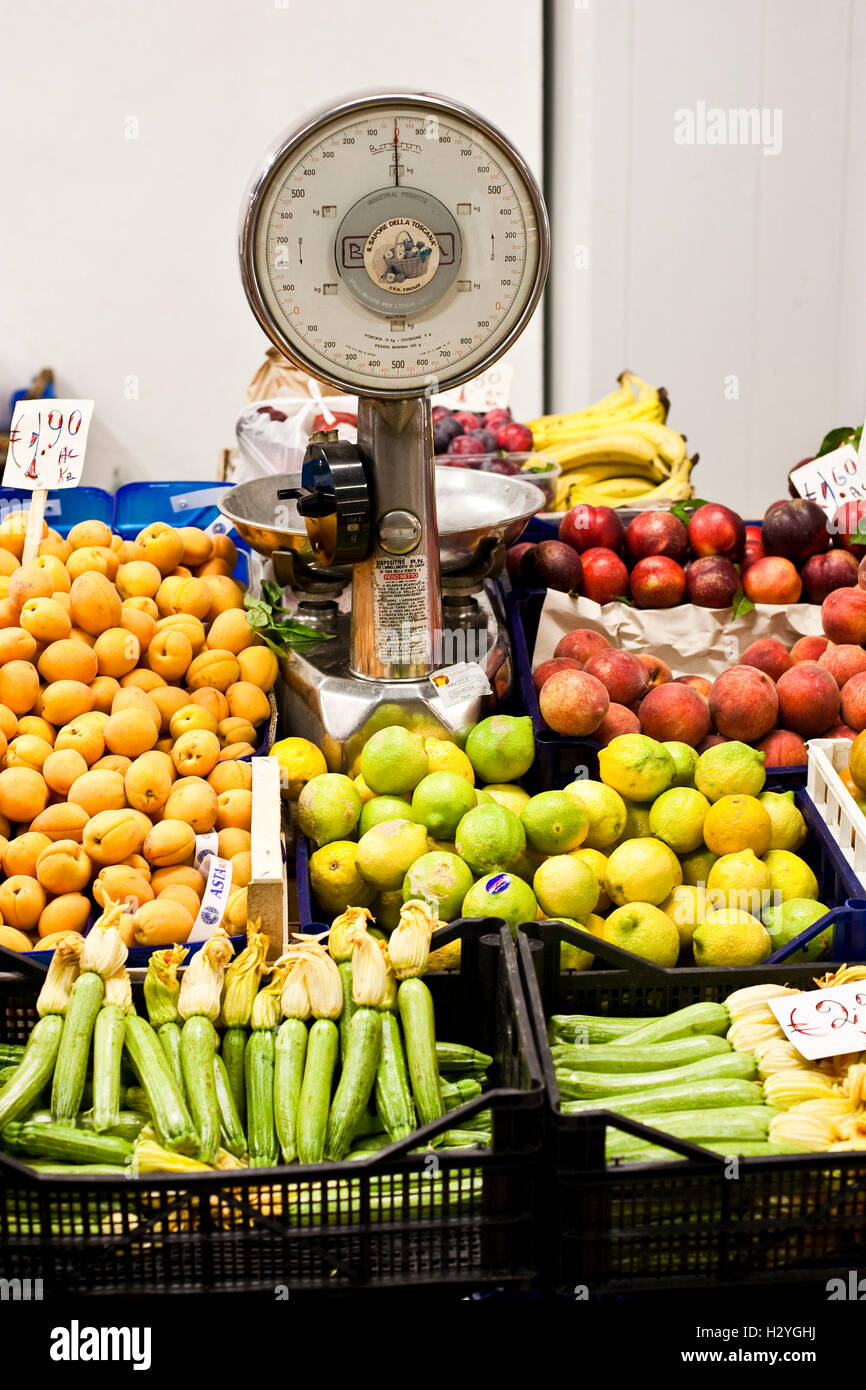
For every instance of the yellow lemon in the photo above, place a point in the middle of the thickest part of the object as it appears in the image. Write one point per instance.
(788, 825)
(740, 880)
(645, 930)
(677, 817)
(737, 822)
(598, 863)
(511, 797)
(605, 808)
(728, 936)
(299, 762)
(696, 866)
(790, 875)
(336, 880)
(686, 908)
(447, 757)
(563, 886)
(363, 790)
(636, 766)
(644, 871)
(730, 767)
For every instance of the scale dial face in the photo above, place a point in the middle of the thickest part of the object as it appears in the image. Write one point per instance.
(394, 245)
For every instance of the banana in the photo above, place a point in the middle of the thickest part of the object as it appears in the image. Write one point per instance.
(565, 427)
(670, 446)
(607, 448)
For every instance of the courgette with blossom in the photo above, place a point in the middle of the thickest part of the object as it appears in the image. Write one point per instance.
(199, 1006)
(239, 991)
(311, 969)
(259, 1066)
(363, 1045)
(408, 949)
(159, 1095)
(108, 1036)
(340, 949)
(103, 954)
(35, 1062)
(161, 994)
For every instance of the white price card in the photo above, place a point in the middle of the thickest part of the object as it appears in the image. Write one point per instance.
(455, 684)
(489, 391)
(824, 1022)
(832, 479)
(47, 442)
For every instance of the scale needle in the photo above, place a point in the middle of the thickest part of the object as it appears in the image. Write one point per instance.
(396, 156)
(300, 244)
(493, 246)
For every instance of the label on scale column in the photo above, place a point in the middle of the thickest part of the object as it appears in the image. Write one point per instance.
(400, 608)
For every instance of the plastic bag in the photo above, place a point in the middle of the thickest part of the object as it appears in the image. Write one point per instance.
(272, 435)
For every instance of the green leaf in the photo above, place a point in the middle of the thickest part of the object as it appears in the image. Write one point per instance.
(622, 598)
(741, 604)
(258, 616)
(860, 533)
(835, 439)
(684, 510)
(272, 592)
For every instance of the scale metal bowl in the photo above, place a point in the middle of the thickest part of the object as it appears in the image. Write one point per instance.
(473, 509)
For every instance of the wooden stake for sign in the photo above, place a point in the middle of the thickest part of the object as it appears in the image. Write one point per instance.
(35, 518)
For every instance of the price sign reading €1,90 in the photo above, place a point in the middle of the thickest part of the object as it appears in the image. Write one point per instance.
(47, 440)
(824, 1022)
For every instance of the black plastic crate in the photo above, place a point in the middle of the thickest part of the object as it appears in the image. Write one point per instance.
(462, 1220)
(702, 1220)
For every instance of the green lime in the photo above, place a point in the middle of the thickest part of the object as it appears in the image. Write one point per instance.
(501, 895)
(685, 761)
(440, 801)
(562, 884)
(393, 761)
(677, 817)
(501, 748)
(606, 810)
(554, 823)
(490, 837)
(383, 808)
(329, 808)
(388, 851)
(442, 880)
(728, 768)
(786, 920)
(696, 866)
(385, 907)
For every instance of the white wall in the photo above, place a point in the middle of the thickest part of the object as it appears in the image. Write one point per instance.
(118, 255)
(710, 262)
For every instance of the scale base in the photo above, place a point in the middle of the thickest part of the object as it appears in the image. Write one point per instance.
(321, 700)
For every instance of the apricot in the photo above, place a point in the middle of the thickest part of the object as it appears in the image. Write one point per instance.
(169, 842)
(117, 651)
(178, 874)
(137, 579)
(93, 560)
(128, 552)
(85, 737)
(191, 627)
(225, 549)
(235, 918)
(136, 621)
(37, 727)
(63, 867)
(131, 697)
(27, 751)
(216, 669)
(19, 686)
(225, 595)
(248, 701)
(16, 644)
(169, 654)
(23, 794)
(110, 836)
(113, 762)
(193, 597)
(68, 659)
(88, 533)
(22, 902)
(104, 689)
(212, 568)
(179, 893)
(242, 869)
(234, 809)
(118, 883)
(233, 841)
(212, 700)
(161, 923)
(234, 730)
(143, 605)
(130, 731)
(86, 638)
(197, 546)
(148, 782)
(21, 854)
(98, 791)
(13, 529)
(62, 821)
(163, 546)
(8, 563)
(53, 562)
(231, 776)
(68, 913)
(191, 717)
(95, 603)
(165, 593)
(15, 940)
(233, 751)
(8, 722)
(137, 862)
(9, 615)
(196, 753)
(30, 581)
(143, 679)
(259, 666)
(194, 802)
(168, 700)
(62, 768)
(230, 631)
(45, 620)
(63, 701)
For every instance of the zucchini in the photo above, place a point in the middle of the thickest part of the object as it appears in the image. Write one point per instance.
(357, 1079)
(169, 1042)
(589, 1028)
(234, 1045)
(369, 1124)
(394, 1105)
(171, 1118)
(197, 1051)
(456, 1057)
(290, 1055)
(483, 1119)
(70, 1070)
(47, 1165)
(108, 1036)
(684, 1023)
(693, 1095)
(323, 1042)
(34, 1070)
(579, 1084)
(129, 1123)
(349, 1005)
(415, 1003)
(743, 1122)
(231, 1129)
(369, 1144)
(67, 1144)
(136, 1099)
(728, 1148)
(11, 1054)
(259, 1073)
(458, 1089)
(465, 1139)
(676, 1053)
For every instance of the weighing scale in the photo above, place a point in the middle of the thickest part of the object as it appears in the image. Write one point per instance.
(393, 246)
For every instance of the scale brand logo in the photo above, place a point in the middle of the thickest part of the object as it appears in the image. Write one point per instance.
(737, 126)
(852, 1289)
(77, 1343)
(21, 1291)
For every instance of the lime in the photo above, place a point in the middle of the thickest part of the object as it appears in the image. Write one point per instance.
(501, 748)
(788, 828)
(387, 716)
(636, 766)
(329, 808)
(490, 837)
(685, 761)
(527, 865)
(501, 895)
(508, 795)
(788, 919)
(393, 761)
(442, 880)
(554, 823)
(642, 871)
(336, 880)
(696, 866)
(605, 808)
(596, 861)
(686, 907)
(388, 851)
(790, 875)
(563, 885)
(645, 930)
(730, 767)
(728, 936)
(299, 762)
(440, 801)
(677, 817)
(736, 822)
(443, 756)
(739, 880)
(636, 821)
(385, 907)
(383, 808)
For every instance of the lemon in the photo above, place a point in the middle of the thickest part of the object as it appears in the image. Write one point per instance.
(728, 768)
(790, 875)
(677, 817)
(596, 861)
(501, 748)
(383, 808)
(393, 761)
(501, 895)
(790, 918)
(554, 823)
(573, 957)
(440, 801)
(788, 826)
(329, 808)
(363, 790)
(686, 908)
(685, 761)
(386, 908)
(387, 852)
(605, 808)
(512, 797)
(636, 821)
(527, 865)
(642, 871)
(563, 885)
(696, 866)
(739, 880)
(299, 762)
(447, 757)
(728, 936)
(490, 837)
(736, 822)
(336, 880)
(645, 930)
(442, 880)
(636, 766)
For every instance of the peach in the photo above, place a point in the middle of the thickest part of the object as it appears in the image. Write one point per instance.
(143, 679)
(169, 654)
(117, 651)
(104, 689)
(231, 776)
(237, 730)
(110, 836)
(622, 675)
(546, 669)
(178, 874)
(139, 623)
(161, 923)
(22, 901)
(137, 579)
(61, 822)
(258, 666)
(63, 701)
(231, 631)
(217, 670)
(234, 841)
(88, 533)
(235, 808)
(809, 649)
(571, 702)
(130, 732)
(170, 842)
(93, 559)
(783, 748)
(45, 620)
(63, 867)
(62, 768)
(843, 616)
(168, 700)
(16, 644)
(809, 699)
(248, 701)
(658, 671)
(225, 594)
(65, 914)
(68, 659)
(23, 794)
(743, 703)
(148, 782)
(853, 699)
(95, 603)
(242, 869)
(54, 566)
(98, 791)
(27, 751)
(113, 762)
(19, 686)
(772, 579)
(21, 854)
(674, 712)
(131, 697)
(196, 753)
(843, 661)
(841, 731)
(162, 545)
(28, 582)
(193, 801)
(769, 655)
(37, 727)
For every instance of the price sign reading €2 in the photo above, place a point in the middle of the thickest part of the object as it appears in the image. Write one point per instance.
(47, 440)
(824, 1022)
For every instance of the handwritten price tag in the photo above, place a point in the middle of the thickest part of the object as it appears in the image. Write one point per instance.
(824, 1022)
(836, 478)
(47, 442)
(489, 391)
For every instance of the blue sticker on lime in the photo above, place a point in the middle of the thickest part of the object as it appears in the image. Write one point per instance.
(498, 883)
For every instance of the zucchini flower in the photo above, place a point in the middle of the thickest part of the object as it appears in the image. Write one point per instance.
(323, 982)
(854, 1084)
(845, 975)
(745, 1036)
(202, 983)
(369, 968)
(266, 1011)
(409, 942)
(339, 940)
(104, 951)
(161, 987)
(118, 990)
(777, 1054)
(742, 1001)
(295, 997)
(242, 978)
(61, 976)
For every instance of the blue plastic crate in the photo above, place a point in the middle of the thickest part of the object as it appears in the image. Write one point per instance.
(64, 508)
(194, 503)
